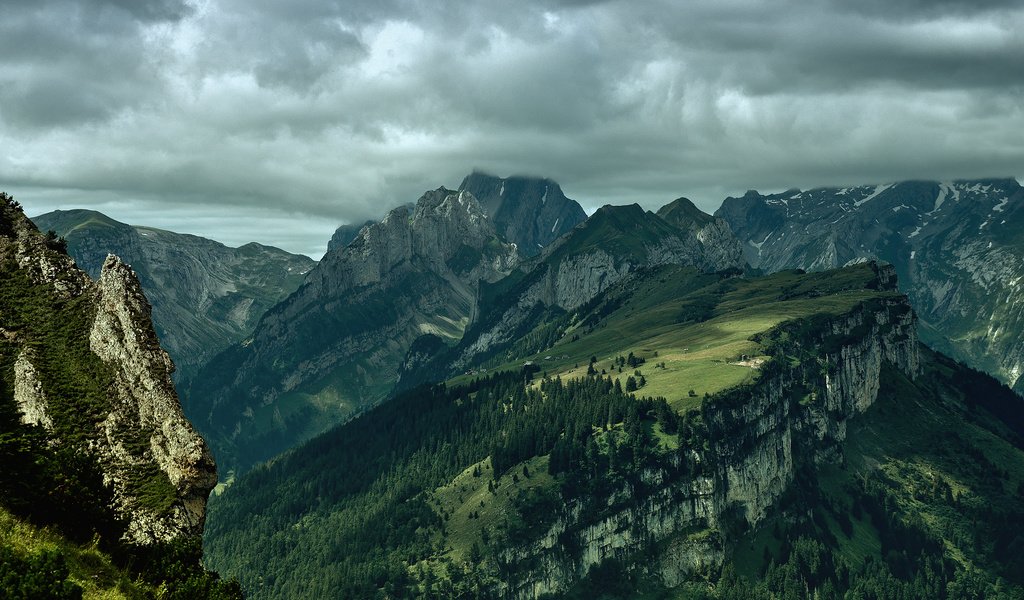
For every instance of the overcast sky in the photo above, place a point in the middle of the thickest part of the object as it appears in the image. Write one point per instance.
(277, 120)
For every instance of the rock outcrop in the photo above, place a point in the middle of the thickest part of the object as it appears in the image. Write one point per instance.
(146, 401)
(29, 394)
(955, 245)
(797, 411)
(205, 295)
(89, 369)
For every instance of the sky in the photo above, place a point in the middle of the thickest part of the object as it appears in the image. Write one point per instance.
(277, 120)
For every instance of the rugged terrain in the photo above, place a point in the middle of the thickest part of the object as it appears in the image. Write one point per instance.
(535, 304)
(334, 346)
(344, 235)
(955, 245)
(684, 428)
(93, 441)
(205, 295)
(530, 212)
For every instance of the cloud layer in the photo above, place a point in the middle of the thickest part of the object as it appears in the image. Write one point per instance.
(275, 121)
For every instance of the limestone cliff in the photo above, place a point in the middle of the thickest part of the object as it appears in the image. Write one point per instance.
(819, 378)
(86, 365)
(123, 337)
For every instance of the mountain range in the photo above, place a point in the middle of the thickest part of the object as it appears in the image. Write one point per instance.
(488, 394)
(686, 427)
(626, 412)
(205, 295)
(955, 245)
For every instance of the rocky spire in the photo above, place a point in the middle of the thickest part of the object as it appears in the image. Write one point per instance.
(145, 401)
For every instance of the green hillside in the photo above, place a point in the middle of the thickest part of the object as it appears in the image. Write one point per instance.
(427, 495)
(693, 327)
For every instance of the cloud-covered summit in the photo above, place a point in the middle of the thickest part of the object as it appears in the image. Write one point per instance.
(300, 115)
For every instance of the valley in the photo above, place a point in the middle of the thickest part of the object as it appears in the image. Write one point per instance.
(546, 300)
(634, 408)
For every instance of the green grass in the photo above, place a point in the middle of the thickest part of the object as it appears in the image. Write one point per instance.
(650, 320)
(467, 494)
(89, 567)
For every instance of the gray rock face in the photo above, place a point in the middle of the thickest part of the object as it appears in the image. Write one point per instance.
(205, 295)
(955, 245)
(146, 400)
(528, 211)
(720, 245)
(135, 430)
(344, 235)
(615, 242)
(751, 462)
(334, 347)
(29, 394)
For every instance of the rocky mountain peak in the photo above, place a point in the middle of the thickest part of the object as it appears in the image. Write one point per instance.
(453, 212)
(123, 337)
(529, 211)
(440, 226)
(683, 213)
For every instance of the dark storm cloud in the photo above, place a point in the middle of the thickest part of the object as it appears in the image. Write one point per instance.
(65, 63)
(313, 112)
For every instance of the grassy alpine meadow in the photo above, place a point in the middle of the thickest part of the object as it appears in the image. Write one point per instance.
(693, 331)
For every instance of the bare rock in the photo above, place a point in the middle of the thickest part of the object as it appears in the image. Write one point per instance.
(144, 400)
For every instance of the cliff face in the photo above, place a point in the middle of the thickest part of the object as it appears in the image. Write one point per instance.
(88, 368)
(955, 246)
(344, 235)
(333, 347)
(205, 295)
(530, 212)
(146, 401)
(757, 435)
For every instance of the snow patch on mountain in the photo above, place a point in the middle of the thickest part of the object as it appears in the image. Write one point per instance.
(878, 190)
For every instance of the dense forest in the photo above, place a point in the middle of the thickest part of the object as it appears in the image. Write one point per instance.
(359, 503)
(433, 493)
(364, 487)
